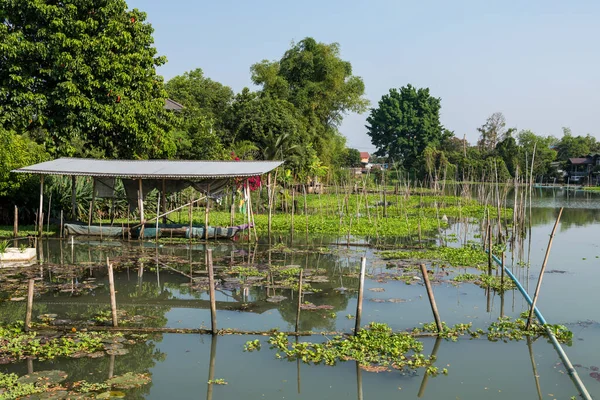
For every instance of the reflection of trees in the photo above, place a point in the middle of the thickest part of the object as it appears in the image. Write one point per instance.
(140, 359)
(571, 217)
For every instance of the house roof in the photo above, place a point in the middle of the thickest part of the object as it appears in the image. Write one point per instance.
(151, 169)
(580, 160)
(173, 105)
(364, 154)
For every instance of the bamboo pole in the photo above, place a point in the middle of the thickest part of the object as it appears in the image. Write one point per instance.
(141, 208)
(211, 291)
(361, 288)
(539, 283)
(434, 309)
(270, 202)
(157, 214)
(164, 201)
(113, 299)
(29, 304)
(191, 216)
(62, 223)
(299, 301)
(74, 209)
(92, 205)
(16, 223)
(41, 209)
(206, 212)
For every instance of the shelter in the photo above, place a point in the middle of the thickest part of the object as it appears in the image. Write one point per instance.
(141, 176)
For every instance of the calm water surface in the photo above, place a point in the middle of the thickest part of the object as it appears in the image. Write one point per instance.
(181, 365)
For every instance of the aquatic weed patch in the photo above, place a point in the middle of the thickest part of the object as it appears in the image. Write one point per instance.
(466, 256)
(375, 346)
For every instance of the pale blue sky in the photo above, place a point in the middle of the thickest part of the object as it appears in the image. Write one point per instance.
(536, 61)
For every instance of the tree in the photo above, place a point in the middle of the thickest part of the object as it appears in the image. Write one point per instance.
(544, 152)
(575, 146)
(16, 151)
(313, 78)
(508, 150)
(274, 125)
(81, 75)
(352, 158)
(405, 122)
(493, 131)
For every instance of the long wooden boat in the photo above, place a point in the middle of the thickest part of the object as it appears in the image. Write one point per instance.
(164, 230)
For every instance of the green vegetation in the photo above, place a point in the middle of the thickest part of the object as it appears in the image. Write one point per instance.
(375, 346)
(467, 256)
(218, 381)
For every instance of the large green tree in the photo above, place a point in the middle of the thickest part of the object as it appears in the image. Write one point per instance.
(406, 122)
(200, 130)
(536, 148)
(274, 125)
(575, 146)
(80, 75)
(16, 151)
(313, 77)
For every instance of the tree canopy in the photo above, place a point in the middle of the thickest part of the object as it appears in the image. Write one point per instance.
(80, 76)
(404, 124)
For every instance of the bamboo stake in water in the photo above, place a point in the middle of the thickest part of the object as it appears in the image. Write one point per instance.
(434, 309)
(361, 288)
(211, 291)
(29, 305)
(113, 299)
(539, 283)
(299, 301)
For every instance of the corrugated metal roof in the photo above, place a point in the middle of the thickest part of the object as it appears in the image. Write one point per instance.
(151, 169)
(580, 160)
(173, 105)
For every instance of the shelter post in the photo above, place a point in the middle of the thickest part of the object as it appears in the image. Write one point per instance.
(16, 222)
(164, 200)
(91, 217)
(141, 207)
(40, 211)
(74, 213)
(206, 211)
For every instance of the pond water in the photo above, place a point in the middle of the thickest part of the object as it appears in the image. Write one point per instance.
(154, 289)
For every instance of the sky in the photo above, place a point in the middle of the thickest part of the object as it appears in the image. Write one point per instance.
(536, 61)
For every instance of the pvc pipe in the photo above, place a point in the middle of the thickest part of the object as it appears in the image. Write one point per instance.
(561, 353)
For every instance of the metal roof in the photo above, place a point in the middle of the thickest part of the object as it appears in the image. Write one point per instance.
(151, 169)
(580, 160)
(173, 105)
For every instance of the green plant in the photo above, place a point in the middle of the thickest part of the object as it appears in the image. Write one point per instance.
(3, 246)
(219, 381)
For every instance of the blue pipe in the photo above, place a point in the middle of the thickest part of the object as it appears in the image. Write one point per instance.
(561, 353)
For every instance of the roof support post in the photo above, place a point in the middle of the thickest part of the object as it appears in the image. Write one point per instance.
(74, 209)
(92, 206)
(164, 200)
(41, 209)
(141, 208)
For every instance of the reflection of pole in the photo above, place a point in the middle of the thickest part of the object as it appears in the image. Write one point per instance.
(111, 366)
(299, 300)
(211, 366)
(436, 346)
(361, 288)
(535, 374)
(113, 299)
(434, 309)
(539, 284)
(211, 291)
(29, 305)
(359, 388)
(298, 368)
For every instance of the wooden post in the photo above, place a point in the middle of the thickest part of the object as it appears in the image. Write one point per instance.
(74, 209)
(434, 309)
(164, 200)
(206, 211)
(361, 288)
(502, 286)
(157, 219)
(93, 204)
(211, 291)
(41, 209)
(270, 202)
(539, 283)
(141, 208)
(62, 223)
(29, 305)
(191, 216)
(16, 223)
(113, 299)
(299, 301)
(489, 249)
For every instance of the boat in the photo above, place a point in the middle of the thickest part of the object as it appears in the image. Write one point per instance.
(150, 231)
